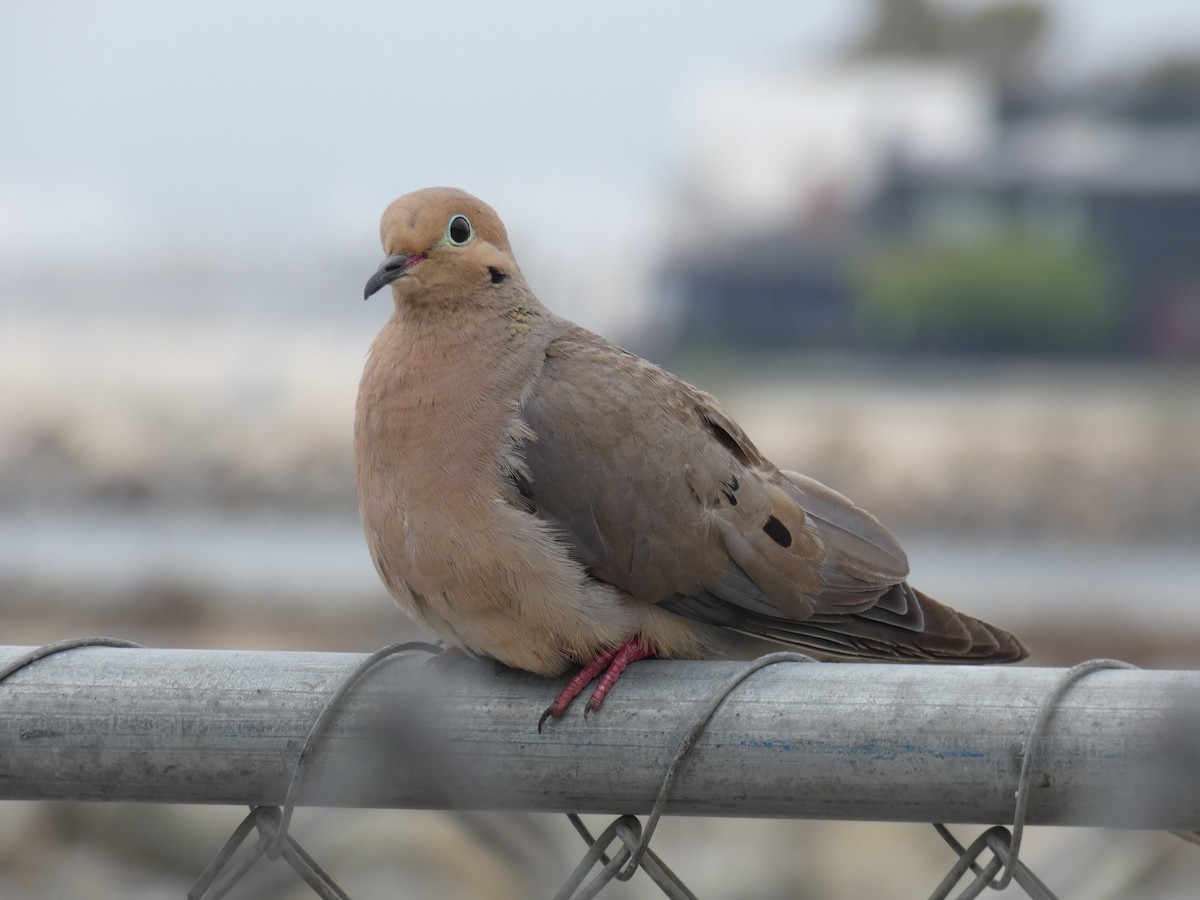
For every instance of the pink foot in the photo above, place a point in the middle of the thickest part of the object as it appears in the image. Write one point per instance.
(612, 663)
(630, 652)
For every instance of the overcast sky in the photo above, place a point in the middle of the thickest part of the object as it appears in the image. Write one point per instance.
(126, 124)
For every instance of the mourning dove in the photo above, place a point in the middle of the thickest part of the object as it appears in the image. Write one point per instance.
(543, 497)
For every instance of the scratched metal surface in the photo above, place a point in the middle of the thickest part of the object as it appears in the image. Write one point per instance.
(889, 743)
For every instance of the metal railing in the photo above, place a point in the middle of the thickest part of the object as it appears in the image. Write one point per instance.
(1119, 747)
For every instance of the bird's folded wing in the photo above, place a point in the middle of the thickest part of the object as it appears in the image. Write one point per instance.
(660, 493)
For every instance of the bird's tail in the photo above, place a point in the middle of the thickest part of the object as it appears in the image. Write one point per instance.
(904, 625)
(953, 636)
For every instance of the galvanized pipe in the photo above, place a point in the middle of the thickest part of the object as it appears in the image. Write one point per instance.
(879, 742)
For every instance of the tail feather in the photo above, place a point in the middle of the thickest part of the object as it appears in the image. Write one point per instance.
(911, 626)
(905, 624)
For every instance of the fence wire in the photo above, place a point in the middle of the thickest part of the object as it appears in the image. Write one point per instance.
(632, 839)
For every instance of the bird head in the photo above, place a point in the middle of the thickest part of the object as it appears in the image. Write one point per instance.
(442, 244)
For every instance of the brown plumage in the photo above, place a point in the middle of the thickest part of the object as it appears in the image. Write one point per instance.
(543, 497)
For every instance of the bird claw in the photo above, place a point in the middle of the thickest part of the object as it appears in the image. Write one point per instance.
(608, 666)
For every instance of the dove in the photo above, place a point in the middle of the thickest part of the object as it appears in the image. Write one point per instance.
(535, 494)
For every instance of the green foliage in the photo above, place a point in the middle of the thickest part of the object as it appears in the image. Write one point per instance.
(1009, 293)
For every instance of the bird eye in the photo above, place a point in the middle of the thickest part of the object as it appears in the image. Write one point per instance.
(459, 231)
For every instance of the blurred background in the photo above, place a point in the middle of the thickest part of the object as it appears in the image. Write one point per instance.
(944, 256)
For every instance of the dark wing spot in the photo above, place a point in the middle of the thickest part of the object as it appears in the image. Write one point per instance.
(730, 487)
(419, 600)
(525, 489)
(778, 532)
(496, 275)
(726, 440)
(523, 499)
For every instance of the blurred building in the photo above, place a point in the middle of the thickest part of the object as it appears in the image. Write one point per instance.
(1129, 189)
(796, 183)
(777, 176)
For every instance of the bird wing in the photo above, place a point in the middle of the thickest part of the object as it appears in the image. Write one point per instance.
(662, 494)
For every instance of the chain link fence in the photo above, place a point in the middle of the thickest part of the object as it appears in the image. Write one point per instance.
(989, 861)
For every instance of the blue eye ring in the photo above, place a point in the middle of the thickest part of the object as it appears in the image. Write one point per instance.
(459, 230)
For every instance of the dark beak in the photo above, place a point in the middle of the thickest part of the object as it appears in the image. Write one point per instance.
(389, 270)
